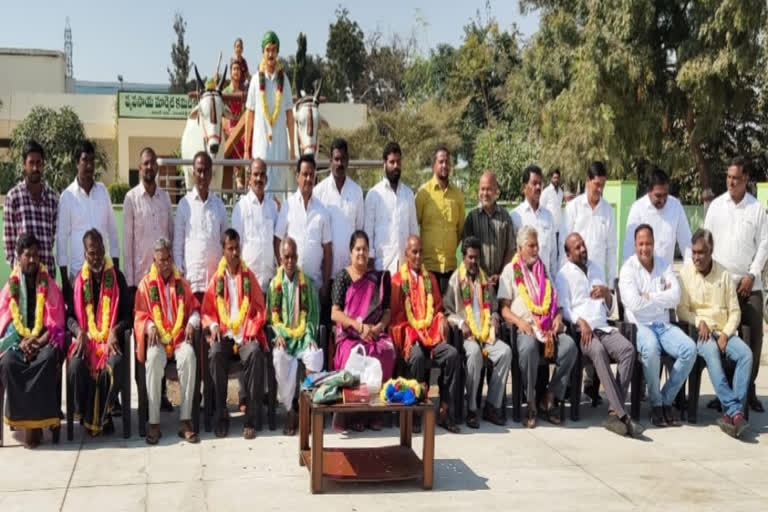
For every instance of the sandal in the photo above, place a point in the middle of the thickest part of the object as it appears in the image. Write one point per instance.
(153, 435)
(187, 433)
(290, 424)
(249, 433)
(530, 419)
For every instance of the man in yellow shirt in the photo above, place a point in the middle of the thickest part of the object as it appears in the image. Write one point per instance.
(440, 212)
(708, 301)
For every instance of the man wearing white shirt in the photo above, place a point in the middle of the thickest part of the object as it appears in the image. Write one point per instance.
(739, 226)
(85, 204)
(594, 219)
(532, 213)
(201, 220)
(649, 289)
(254, 217)
(586, 302)
(390, 214)
(665, 215)
(343, 199)
(304, 218)
(552, 200)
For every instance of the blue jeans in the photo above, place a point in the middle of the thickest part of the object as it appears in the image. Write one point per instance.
(736, 350)
(652, 341)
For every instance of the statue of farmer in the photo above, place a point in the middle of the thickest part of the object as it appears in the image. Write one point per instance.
(269, 112)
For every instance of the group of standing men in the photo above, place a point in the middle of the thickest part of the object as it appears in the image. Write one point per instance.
(194, 273)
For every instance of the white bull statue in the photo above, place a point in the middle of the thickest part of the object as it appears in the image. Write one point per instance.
(306, 115)
(203, 131)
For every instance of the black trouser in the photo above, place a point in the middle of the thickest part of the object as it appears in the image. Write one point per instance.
(447, 358)
(94, 398)
(752, 317)
(442, 281)
(252, 378)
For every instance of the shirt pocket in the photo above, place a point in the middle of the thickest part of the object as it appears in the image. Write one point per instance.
(447, 211)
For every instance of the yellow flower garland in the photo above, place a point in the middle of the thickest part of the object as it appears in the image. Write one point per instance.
(425, 322)
(298, 331)
(167, 337)
(271, 118)
(221, 306)
(480, 335)
(96, 334)
(18, 324)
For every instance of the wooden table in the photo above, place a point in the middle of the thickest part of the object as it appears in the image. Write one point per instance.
(379, 464)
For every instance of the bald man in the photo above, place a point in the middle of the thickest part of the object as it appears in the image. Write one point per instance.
(586, 302)
(416, 342)
(493, 226)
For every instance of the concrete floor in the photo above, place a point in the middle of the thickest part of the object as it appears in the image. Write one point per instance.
(579, 466)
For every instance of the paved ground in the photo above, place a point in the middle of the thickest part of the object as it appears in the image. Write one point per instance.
(576, 467)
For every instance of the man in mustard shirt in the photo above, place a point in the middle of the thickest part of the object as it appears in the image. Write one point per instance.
(708, 301)
(440, 212)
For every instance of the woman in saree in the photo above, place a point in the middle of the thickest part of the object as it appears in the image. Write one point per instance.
(360, 310)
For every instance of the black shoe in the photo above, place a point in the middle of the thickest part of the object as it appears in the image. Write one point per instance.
(657, 417)
(472, 421)
(715, 404)
(672, 416)
(593, 392)
(165, 404)
(108, 428)
(755, 404)
(615, 425)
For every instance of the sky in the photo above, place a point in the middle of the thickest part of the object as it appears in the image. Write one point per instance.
(134, 39)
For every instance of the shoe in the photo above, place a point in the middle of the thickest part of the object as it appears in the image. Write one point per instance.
(108, 428)
(726, 425)
(739, 425)
(657, 417)
(491, 414)
(472, 421)
(613, 424)
(715, 404)
(672, 416)
(593, 392)
(634, 429)
(755, 404)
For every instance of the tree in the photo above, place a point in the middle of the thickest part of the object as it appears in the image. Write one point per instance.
(346, 57)
(383, 83)
(58, 133)
(426, 77)
(179, 57)
(642, 81)
(299, 69)
(506, 150)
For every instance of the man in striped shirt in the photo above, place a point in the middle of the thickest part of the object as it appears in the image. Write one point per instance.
(30, 207)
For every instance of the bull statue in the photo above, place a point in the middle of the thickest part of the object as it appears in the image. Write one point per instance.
(306, 115)
(203, 131)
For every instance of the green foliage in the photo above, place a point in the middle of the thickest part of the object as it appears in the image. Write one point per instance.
(346, 57)
(673, 83)
(179, 57)
(426, 77)
(506, 150)
(117, 192)
(299, 70)
(10, 174)
(58, 132)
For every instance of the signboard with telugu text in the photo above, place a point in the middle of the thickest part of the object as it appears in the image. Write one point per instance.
(153, 105)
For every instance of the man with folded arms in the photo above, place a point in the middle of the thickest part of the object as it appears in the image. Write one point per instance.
(586, 302)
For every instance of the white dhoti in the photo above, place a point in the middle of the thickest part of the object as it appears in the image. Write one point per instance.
(285, 371)
(186, 367)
